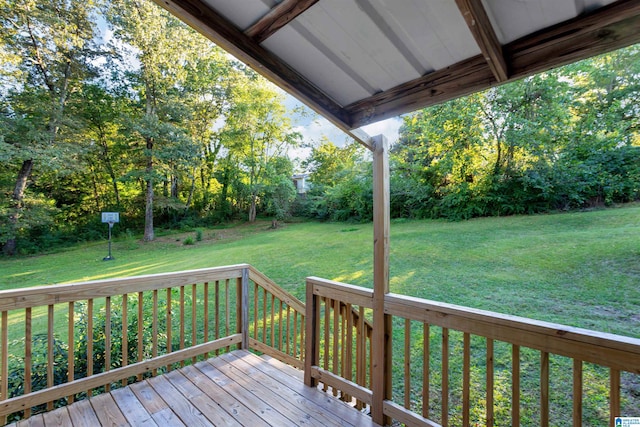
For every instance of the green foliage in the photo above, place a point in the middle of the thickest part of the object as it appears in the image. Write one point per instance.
(188, 241)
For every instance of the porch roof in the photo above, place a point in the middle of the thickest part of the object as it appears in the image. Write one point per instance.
(360, 61)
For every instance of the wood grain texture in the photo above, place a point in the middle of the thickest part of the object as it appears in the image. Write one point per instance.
(277, 18)
(480, 26)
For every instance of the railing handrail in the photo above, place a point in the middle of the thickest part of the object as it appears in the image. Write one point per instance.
(202, 298)
(60, 293)
(606, 349)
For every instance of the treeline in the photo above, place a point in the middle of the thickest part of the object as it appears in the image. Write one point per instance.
(117, 106)
(565, 139)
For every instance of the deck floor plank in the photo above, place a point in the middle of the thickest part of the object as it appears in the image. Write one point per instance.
(234, 389)
(57, 417)
(132, 408)
(231, 405)
(244, 396)
(82, 414)
(207, 406)
(188, 414)
(276, 391)
(107, 411)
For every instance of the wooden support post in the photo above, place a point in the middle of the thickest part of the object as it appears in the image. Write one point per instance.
(381, 342)
(312, 343)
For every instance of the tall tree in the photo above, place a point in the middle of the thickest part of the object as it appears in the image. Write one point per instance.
(162, 46)
(50, 46)
(257, 130)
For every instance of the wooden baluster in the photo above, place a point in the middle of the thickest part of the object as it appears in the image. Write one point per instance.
(336, 341)
(490, 376)
(515, 386)
(50, 350)
(360, 353)
(577, 393)
(227, 308)
(614, 395)
(206, 315)
(194, 329)
(407, 363)
(4, 361)
(348, 362)
(426, 356)
(28, 349)
(169, 326)
(280, 325)
(327, 321)
(295, 334)
(181, 322)
(272, 327)
(70, 345)
(466, 379)
(154, 329)
(264, 315)
(140, 329)
(288, 338)
(90, 341)
(544, 389)
(216, 323)
(107, 338)
(445, 377)
(125, 335)
(256, 297)
(302, 341)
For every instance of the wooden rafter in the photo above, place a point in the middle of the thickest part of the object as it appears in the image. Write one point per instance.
(277, 18)
(478, 22)
(608, 28)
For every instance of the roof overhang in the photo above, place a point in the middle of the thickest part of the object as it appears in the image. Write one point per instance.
(361, 61)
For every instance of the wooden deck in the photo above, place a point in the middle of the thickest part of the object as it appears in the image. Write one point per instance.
(234, 389)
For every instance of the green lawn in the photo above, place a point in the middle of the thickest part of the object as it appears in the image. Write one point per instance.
(581, 269)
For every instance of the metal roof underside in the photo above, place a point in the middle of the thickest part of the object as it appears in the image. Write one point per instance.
(360, 61)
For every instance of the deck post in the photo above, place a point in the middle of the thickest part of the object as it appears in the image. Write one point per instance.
(312, 344)
(381, 334)
(243, 311)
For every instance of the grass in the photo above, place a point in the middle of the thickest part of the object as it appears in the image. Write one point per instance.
(580, 269)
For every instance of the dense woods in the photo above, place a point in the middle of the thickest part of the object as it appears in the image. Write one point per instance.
(116, 106)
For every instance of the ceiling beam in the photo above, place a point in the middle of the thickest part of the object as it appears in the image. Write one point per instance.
(478, 22)
(439, 86)
(277, 18)
(608, 28)
(223, 33)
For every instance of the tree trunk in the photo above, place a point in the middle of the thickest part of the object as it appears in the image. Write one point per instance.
(252, 208)
(148, 211)
(9, 247)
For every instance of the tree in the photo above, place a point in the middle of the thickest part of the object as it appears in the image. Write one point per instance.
(162, 46)
(256, 131)
(49, 47)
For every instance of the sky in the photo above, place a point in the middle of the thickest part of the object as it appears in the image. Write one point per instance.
(313, 127)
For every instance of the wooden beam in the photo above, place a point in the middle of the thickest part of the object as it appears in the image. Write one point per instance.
(381, 335)
(277, 18)
(439, 86)
(608, 28)
(478, 22)
(223, 33)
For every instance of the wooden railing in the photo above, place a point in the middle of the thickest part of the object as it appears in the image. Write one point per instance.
(61, 343)
(455, 366)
